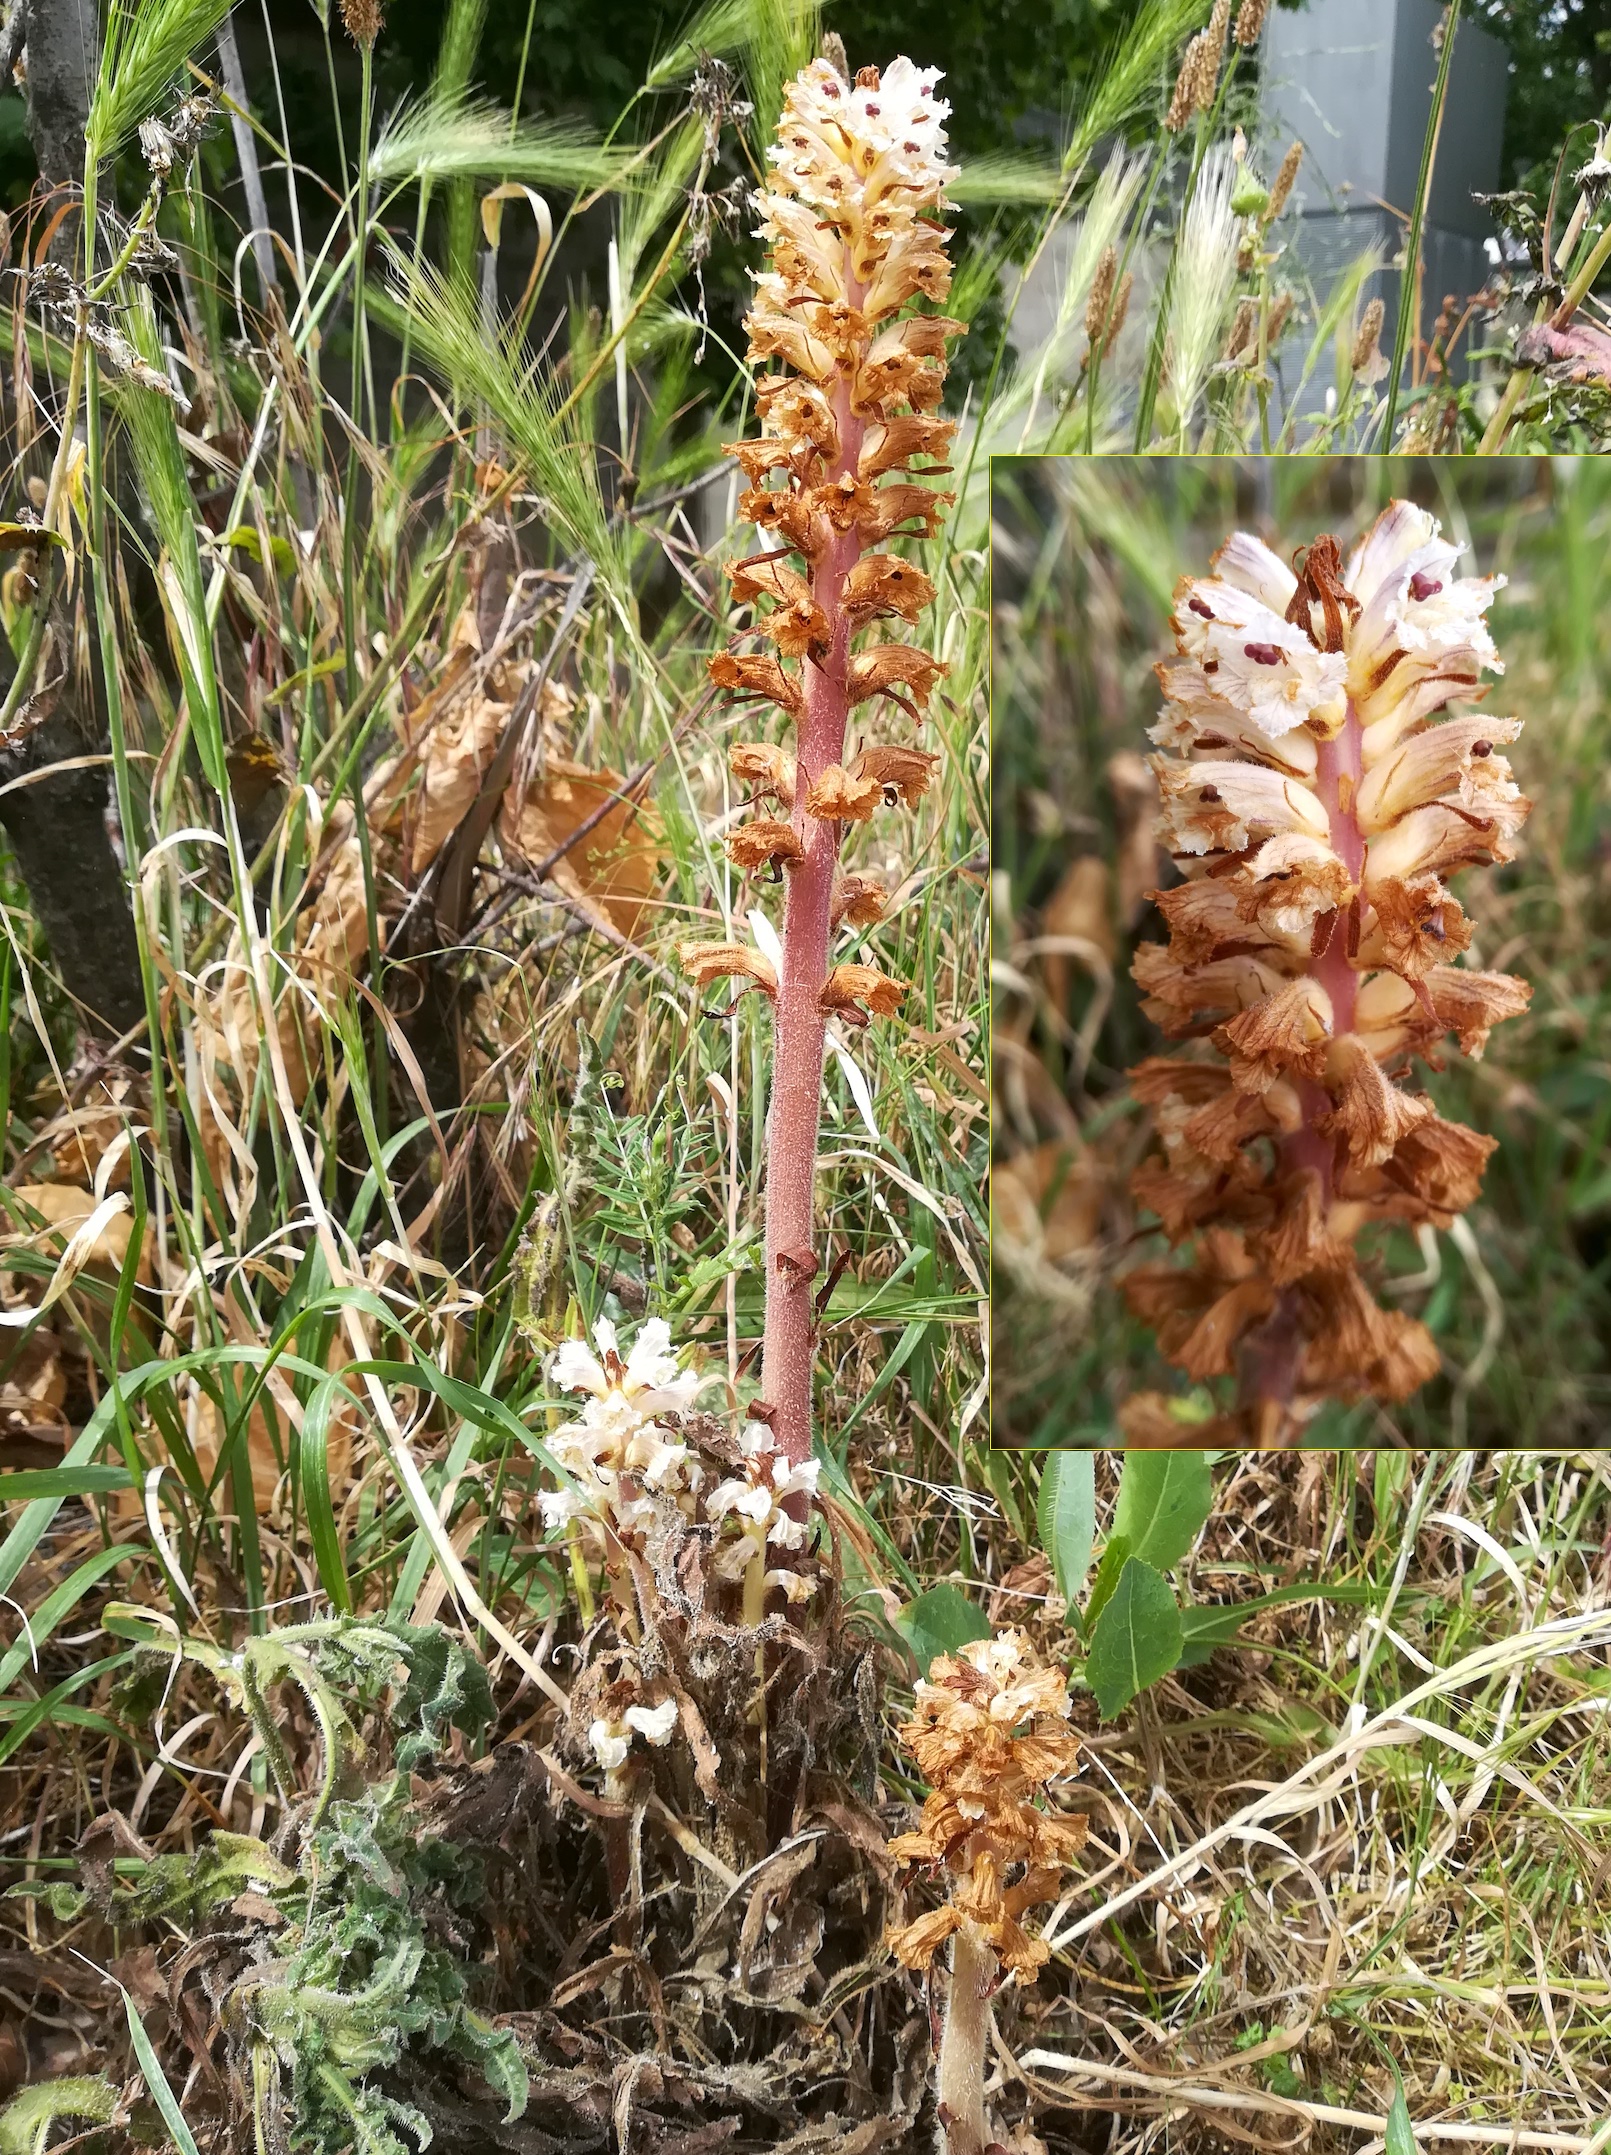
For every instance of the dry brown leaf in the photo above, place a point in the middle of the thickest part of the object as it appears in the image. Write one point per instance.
(1078, 908)
(78, 1138)
(1048, 1200)
(64, 1208)
(453, 765)
(611, 871)
(34, 1394)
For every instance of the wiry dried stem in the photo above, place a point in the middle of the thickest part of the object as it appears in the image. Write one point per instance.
(1316, 804)
(857, 184)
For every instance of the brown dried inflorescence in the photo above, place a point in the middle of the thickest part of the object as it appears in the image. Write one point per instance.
(843, 466)
(1316, 793)
(989, 1733)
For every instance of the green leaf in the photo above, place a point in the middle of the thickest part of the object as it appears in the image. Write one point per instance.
(25, 1485)
(156, 2080)
(65, 1901)
(56, 1605)
(314, 1481)
(1399, 2138)
(1202, 1629)
(939, 1621)
(249, 540)
(1164, 1498)
(26, 2120)
(1065, 1516)
(1116, 1553)
(1136, 1639)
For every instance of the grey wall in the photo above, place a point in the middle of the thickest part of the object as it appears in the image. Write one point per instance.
(1352, 80)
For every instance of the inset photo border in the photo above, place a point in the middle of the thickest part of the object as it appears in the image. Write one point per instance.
(1301, 917)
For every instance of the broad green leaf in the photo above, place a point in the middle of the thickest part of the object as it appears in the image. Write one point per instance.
(1164, 1497)
(1135, 1640)
(939, 1621)
(1065, 1515)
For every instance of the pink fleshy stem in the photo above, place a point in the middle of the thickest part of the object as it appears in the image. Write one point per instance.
(789, 1350)
(1272, 1352)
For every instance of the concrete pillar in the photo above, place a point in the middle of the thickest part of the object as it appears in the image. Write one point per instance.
(1352, 80)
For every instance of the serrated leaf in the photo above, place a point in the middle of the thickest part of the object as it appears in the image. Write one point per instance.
(1065, 1517)
(939, 1621)
(1164, 1498)
(1135, 1640)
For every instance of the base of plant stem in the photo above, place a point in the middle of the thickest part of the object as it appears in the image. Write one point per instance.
(960, 2074)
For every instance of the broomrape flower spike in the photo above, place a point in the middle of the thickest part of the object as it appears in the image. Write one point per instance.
(619, 1450)
(988, 1736)
(848, 440)
(1318, 793)
(759, 1502)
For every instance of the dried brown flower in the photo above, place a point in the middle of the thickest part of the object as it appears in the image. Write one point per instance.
(989, 1734)
(763, 842)
(849, 986)
(1284, 181)
(363, 19)
(1250, 22)
(705, 962)
(1316, 794)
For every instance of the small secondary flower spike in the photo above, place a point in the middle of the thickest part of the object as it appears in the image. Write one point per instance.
(988, 1733)
(1317, 794)
(631, 1463)
(853, 215)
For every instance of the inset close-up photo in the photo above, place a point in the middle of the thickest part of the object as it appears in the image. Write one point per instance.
(1299, 908)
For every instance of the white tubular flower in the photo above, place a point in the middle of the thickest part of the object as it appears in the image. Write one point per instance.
(1215, 807)
(860, 161)
(647, 1383)
(1255, 660)
(618, 1432)
(612, 1739)
(758, 1501)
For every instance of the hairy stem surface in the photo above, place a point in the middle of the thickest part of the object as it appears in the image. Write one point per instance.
(789, 1348)
(960, 2074)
